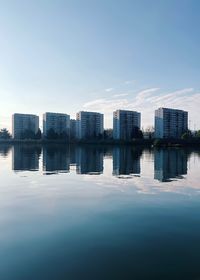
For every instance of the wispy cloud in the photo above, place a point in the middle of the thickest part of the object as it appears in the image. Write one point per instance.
(146, 101)
(128, 82)
(94, 103)
(171, 95)
(109, 89)
(120, 95)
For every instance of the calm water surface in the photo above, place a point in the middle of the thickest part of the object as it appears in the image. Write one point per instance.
(99, 213)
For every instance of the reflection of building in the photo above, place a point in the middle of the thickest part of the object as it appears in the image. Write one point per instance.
(72, 155)
(126, 161)
(56, 122)
(125, 124)
(169, 164)
(89, 160)
(24, 126)
(25, 157)
(170, 123)
(89, 125)
(56, 158)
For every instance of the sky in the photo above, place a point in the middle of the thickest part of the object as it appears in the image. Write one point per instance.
(99, 55)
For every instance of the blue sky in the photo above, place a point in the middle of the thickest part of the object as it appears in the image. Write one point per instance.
(101, 55)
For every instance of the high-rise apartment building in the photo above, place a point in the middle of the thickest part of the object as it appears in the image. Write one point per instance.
(56, 123)
(89, 125)
(170, 123)
(72, 129)
(24, 126)
(126, 124)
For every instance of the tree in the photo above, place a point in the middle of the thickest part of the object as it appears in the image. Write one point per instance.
(5, 134)
(186, 135)
(136, 133)
(38, 134)
(63, 135)
(157, 142)
(28, 134)
(198, 134)
(108, 133)
(51, 134)
(149, 132)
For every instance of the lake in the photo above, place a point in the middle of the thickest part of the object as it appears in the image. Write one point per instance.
(95, 212)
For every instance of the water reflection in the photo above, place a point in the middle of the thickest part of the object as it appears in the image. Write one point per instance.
(25, 157)
(89, 160)
(126, 160)
(4, 150)
(170, 164)
(52, 225)
(56, 159)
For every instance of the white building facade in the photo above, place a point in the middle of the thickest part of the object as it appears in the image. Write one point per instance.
(170, 123)
(56, 122)
(24, 124)
(125, 124)
(89, 125)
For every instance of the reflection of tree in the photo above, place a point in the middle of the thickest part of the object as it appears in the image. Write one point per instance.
(4, 150)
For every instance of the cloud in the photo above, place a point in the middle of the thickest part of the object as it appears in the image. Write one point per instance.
(94, 103)
(109, 89)
(146, 101)
(129, 82)
(171, 95)
(119, 95)
(147, 91)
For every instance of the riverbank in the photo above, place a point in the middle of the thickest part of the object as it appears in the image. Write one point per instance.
(176, 142)
(138, 142)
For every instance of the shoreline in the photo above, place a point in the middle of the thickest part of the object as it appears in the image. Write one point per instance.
(138, 142)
